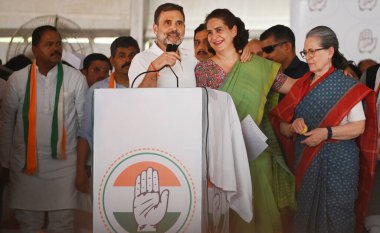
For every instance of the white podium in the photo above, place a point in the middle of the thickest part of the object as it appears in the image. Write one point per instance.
(148, 156)
(150, 162)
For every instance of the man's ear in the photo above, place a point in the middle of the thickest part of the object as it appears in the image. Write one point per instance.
(84, 72)
(155, 29)
(288, 46)
(34, 50)
(111, 60)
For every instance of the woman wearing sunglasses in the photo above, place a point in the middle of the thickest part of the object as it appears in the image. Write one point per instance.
(250, 86)
(330, 139)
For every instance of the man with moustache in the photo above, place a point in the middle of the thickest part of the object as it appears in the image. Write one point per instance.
(123, 49)
(42, 106)
(202, 49)
(169, 28)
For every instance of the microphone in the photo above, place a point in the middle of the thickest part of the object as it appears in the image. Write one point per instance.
(172, 48)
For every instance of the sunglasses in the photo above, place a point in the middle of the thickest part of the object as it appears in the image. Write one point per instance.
(270, 48)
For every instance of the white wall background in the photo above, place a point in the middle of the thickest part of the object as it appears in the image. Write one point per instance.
(352, 21)
(356, 23)
(120, 17)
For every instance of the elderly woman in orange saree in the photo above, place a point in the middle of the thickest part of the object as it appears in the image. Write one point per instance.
(329, 138)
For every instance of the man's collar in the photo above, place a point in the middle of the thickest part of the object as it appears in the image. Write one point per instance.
(155, 49)
(54, 69)
(294, 63)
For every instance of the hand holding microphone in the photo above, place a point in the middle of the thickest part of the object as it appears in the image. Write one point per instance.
(168, 58)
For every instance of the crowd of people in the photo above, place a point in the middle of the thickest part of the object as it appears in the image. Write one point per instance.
(320, 117)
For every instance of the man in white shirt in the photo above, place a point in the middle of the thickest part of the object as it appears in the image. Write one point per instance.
(42, 109)
(176, 68)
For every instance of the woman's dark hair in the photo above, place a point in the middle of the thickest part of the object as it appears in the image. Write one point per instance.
(355, 68)
(329, 39)
(230, 20)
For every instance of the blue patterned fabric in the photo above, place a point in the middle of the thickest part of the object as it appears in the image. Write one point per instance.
(327, 195)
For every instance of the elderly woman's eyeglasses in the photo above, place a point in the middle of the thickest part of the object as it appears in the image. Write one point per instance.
(310, 52)
(270, 48)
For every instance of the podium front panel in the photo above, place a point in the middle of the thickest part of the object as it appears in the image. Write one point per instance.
(148, 160)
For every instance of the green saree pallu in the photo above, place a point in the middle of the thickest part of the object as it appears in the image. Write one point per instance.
(249, 85)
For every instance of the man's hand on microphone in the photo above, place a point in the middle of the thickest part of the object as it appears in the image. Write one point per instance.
(167, 58)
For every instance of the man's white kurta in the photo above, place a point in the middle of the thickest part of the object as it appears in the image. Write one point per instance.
(184, 69)
(52, 188)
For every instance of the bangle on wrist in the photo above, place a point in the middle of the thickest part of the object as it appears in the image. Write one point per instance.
(155, 69)
(329, 132)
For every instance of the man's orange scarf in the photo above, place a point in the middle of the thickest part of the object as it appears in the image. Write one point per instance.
(58, 133)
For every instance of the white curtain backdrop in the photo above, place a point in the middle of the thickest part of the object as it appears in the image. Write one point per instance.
(356, 23)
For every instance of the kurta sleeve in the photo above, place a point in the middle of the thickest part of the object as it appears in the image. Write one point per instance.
(80, 98)
(86, 127)
(9, 108)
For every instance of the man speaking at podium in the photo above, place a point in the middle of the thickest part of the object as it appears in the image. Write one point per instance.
(167, 66)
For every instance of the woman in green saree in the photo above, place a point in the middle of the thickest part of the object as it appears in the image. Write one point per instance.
(251, 85)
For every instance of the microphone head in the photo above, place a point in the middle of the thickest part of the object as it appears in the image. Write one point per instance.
(171, 48)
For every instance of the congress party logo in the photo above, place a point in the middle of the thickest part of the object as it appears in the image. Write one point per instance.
(367, 4)
(146, 191)
(217, 209)
(317, 5)
(367, 41)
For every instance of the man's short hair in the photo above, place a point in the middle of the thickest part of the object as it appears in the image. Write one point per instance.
(200, 28)
(167, 7)
(124, 42)
(38, 32)
(280, 33)
(95, 57)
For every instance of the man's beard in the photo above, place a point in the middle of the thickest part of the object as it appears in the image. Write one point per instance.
(163, 38)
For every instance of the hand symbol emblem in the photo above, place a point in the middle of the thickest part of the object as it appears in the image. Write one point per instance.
(367, 43)
(367, 4)
(315, 5)
(217, 209)
(149, 206)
